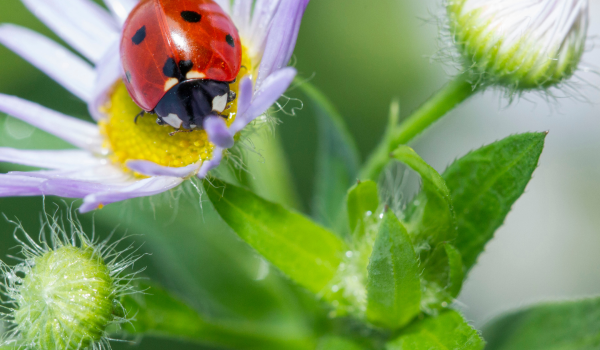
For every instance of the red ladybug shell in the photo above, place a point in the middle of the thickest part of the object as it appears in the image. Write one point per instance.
(168, 41)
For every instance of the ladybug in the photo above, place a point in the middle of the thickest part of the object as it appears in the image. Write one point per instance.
(178, 58)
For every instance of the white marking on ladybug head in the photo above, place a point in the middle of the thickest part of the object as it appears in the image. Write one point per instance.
(219, 103)
(173, 120)
(194, 74)
(170, 83)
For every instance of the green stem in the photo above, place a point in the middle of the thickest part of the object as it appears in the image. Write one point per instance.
(436, 107)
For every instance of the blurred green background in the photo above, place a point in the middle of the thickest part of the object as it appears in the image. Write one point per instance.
(361, 54)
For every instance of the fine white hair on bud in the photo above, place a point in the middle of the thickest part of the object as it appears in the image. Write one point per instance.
(520, 44)
(65, 292)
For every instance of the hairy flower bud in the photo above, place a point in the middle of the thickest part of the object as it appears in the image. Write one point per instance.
(521, 44)
(66, 291)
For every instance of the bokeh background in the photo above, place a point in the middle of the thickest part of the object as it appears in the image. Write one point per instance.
(362, 54)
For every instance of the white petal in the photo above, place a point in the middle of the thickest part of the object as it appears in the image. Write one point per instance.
(63, 159)
(101, 173)
(281, 39)
(152, 169)
(16, 185)
(241, 15)
(77, 132)
(271, 90)
(208, 165)
(142, 188)
(264, 10)
(225, 5)
(56, 61)
(76, 188)
(108, 71)
(120, 8)
(84, 25)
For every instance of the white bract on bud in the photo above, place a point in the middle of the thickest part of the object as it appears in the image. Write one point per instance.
(521, 44)
(65, 293)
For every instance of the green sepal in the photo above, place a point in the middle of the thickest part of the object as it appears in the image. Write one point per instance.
(572, 325)
(447, 331)
(306, 252)
(484, 185)
(338, 159)
(393, 283)
(430, 217)
(362, 202)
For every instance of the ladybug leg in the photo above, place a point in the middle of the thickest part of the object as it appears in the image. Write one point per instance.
(231, 96)
(141, 114)
(178, 131)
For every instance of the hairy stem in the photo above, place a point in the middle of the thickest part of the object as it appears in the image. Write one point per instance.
(436, 107)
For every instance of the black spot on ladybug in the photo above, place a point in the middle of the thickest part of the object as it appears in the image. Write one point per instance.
(229, 40)
(191, 16)
(170, 68)
(185, 67)
(139, 36)
(128, 76)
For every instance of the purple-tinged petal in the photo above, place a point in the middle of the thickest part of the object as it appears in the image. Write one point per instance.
(108, 71)
(225, 5)
(102, 173)
(16, 185)
(241, 15)
(63, 159)
(281, 39)
(77, 132)
(273, 87)
(245, 94)
(264, 10)
(214, 162)
(142, 188)
(57, 62)
(152, 169)
(84, 25)
(218, 132)
(77, 189)
(120, 8)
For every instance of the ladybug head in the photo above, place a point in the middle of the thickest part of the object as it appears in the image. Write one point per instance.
(188, 103)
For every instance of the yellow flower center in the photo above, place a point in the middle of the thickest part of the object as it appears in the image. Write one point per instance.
(146, 140)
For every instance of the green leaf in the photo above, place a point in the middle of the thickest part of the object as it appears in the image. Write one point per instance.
(442, 276)
(485, 184)
(157, 313)
(573, 325)
(430, 217)
(303, 250)
(337, 343)
(393, 283)
(363, 201)
(448, 331)
(337, 159)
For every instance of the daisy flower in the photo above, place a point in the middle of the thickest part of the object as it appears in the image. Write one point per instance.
(116, 158)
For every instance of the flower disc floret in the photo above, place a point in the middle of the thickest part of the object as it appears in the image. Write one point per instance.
(521, 44)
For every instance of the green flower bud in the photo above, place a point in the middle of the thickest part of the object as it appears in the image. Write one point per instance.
(520, 44)
(66, 291)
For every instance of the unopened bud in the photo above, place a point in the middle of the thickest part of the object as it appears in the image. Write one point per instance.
(521, 44)
(65, 293)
